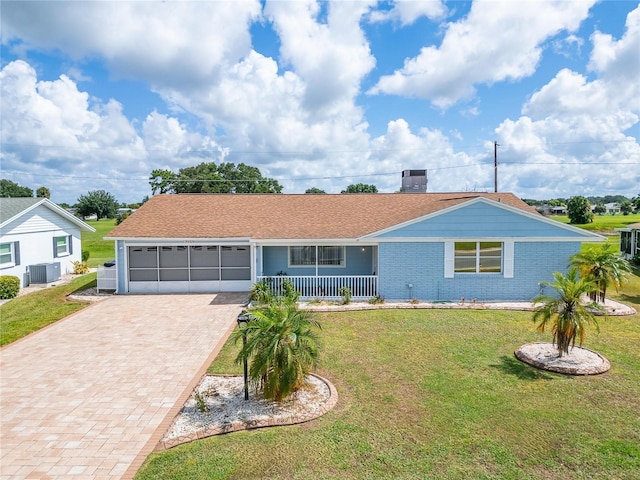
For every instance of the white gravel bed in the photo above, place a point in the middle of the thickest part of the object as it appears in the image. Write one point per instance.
(579, 361)
(224, 399)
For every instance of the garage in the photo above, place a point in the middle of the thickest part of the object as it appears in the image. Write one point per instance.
(188, 268)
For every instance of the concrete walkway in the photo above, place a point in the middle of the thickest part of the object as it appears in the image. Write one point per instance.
(91, 395)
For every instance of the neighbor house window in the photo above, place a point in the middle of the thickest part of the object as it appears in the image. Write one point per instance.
(478, 257)
(61, 246)
(326, 256)
(7, 258)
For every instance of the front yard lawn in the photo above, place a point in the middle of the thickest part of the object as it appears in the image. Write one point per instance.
(439, 394)
(31, 312)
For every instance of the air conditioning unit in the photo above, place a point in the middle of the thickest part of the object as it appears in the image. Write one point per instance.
(44, 272)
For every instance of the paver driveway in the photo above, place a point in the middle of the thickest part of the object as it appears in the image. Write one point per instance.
(90, 396)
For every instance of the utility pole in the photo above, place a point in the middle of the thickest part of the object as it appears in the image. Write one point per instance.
(495, 166)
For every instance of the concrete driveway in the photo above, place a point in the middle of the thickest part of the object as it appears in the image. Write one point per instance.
(91, 395)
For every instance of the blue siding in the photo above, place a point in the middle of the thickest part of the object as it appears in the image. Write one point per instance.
(422, 265)
(480, 220)
(358, 263)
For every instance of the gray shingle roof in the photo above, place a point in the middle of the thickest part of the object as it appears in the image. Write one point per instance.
(10, 207)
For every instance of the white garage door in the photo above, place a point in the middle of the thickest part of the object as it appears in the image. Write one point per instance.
(189, 268)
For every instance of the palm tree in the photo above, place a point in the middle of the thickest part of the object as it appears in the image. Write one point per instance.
(564, 312)
(605, 266)
(282, 345)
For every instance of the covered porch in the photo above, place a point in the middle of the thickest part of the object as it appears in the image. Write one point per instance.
(320, 271)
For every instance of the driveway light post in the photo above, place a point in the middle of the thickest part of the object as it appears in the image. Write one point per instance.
(243, 319)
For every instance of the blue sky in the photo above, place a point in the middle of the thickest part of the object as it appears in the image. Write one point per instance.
(95, 95)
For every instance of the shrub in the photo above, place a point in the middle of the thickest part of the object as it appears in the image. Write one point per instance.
(9, 286)
(289, 291)
(345, 293)
(636, 259)
(122, 217)
(85, 255)
(376, 300)
(261, 292)
(80, 268)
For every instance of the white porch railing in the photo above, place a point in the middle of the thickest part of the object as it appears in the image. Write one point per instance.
(361, 286)
(106, 278)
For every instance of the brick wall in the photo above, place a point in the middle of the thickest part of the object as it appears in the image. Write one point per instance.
(422, 266)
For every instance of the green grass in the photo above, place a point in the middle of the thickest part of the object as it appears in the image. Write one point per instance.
(100, 250)
(439, 394)
(28, 313)
(604, 223)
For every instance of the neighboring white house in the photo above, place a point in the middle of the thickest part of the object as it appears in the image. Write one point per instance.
(612, 208)
(38, 239)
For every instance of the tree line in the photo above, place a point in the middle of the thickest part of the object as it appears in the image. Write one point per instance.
(579, 208)
(203, 178)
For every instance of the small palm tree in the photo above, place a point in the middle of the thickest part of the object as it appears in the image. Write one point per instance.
(565, 312)
(282, 345)
(605, 266)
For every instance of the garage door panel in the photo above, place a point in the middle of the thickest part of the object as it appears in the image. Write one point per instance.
(199, 274)
(235, 256)
(174, 274)
(174, 257)
(204, 256)
(236, 274)
(143, 275)
(143, 257)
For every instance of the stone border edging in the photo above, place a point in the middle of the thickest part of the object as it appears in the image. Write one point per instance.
(238, 426)
(567, 370)
(613, 308)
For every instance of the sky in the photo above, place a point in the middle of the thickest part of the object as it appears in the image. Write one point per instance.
(95, 95)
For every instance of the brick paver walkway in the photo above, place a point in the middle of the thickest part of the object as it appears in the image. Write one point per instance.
(90, 396)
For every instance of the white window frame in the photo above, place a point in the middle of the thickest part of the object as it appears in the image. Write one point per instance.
(315, 249)
(478, 265)
(67, 250)
(508, 258)
(12, 256)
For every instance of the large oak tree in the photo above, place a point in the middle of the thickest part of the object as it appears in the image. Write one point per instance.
(212, 178)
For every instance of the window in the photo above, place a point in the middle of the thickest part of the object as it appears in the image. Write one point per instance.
(6, 255)
(478, 257)
(327, 256)
(61, 246)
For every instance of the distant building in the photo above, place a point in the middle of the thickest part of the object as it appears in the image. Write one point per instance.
(551, 210)
(612, 208)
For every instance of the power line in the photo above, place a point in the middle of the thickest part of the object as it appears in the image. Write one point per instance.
(296, 179)
(312, 153)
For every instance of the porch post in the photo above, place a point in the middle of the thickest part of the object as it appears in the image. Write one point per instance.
(317, 287)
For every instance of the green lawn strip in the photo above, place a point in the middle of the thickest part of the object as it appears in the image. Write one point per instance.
(439, 394)
(28, 313)
(100, 250)
(604, 222)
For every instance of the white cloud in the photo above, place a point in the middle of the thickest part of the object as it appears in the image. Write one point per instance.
(447, 170)
(497, 41)
(331, 58)
(164, 43)
(298, 117)
(576, 128)
(54, 135)
(405, 12)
